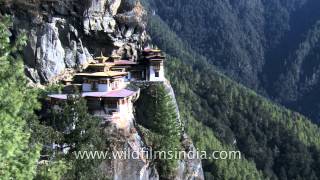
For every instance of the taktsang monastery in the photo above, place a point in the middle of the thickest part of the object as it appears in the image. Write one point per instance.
(104, 80)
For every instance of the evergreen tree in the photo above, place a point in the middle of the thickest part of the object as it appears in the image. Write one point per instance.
(18, 156)
(166, 127)
(81, 132)
(157, 112)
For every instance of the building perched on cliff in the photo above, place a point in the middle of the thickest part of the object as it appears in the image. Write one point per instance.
(104, 84)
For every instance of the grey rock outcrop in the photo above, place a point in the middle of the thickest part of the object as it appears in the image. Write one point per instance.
(132, 166)
(189, 169)
(49, 52)
(66, 34)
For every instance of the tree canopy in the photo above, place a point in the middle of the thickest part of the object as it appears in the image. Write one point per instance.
(18, 154)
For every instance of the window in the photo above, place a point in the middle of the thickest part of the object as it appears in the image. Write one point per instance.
(94, 86)
(156, 74)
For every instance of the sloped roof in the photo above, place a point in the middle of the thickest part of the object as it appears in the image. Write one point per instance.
(122, 93)
(124, 62)
(101, 58)
(151, 50)
(103, 74)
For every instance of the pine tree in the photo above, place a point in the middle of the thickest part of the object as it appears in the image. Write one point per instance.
(167, 128)
(157, 112)
(18, 156)
(82, 132)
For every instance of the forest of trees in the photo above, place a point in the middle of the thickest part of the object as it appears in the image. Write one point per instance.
(271, 46)
(217, 113)
(275, 141)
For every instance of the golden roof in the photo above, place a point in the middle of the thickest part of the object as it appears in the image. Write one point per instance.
(106, 64)
(152, 50)
(101, 58)
(116, 56)
(69, 79)
(103, 74)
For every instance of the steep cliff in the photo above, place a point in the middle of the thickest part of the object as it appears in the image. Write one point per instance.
(131, 139)
(63, 35)
(147, 107)
(66, 34)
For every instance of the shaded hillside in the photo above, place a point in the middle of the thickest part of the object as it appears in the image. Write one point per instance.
(269, 45)
(282, 144)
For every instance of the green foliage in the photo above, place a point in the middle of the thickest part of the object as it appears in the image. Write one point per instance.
(52, 171)
(18, 155)
(264, 132)
(205, 140)
(156, 112)
(81, 132)
(49, 89)
(267, 45)
(279, 142)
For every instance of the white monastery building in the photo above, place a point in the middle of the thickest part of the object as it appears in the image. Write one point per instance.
(104, 84)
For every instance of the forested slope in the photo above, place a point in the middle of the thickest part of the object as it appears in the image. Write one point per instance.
(271, 46)
(221, 113)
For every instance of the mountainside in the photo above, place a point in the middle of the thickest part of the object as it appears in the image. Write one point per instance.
(220, 114)
(63, 37)
(271, 46)
(268, 45)
(65, 34)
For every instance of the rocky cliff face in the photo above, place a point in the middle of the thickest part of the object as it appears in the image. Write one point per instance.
(67, 33)
(129, 140)
(190, 169)
(134, 168)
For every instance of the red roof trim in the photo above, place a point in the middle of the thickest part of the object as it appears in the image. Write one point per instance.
(122, 93)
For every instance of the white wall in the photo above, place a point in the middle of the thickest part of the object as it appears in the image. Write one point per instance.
(122, 83)
(126, 111)
(86, 87)
(152, 76)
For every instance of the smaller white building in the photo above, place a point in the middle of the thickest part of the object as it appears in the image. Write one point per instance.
(155, 61)
(156, 71)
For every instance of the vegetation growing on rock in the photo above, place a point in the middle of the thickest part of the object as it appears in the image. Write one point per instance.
(282, 144)
(157, 113)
